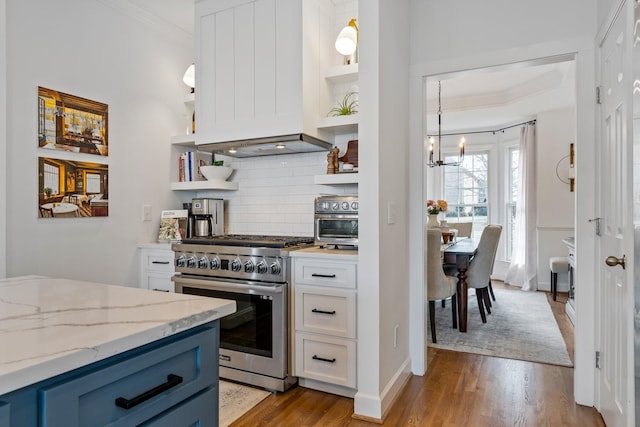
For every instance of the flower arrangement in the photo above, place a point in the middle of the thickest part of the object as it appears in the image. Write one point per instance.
(434, 207)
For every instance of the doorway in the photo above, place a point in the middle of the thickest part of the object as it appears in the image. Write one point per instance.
(486, 106)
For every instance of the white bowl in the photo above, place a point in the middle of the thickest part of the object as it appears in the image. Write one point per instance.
(216, 173)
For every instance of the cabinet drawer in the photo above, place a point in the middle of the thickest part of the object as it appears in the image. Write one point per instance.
(325, 311)
(158, 261)
(333, 273)
(201, 410)
(174, 372)
(328, 359)
(159, 282)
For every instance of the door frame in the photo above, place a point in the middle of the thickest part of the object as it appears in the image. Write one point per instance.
(583, 51)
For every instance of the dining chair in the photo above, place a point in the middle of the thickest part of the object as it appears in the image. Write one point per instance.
(45, 212)
(464, 228)
(481, 266)
(439, 285)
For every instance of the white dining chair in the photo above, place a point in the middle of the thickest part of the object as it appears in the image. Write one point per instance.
(439, 285)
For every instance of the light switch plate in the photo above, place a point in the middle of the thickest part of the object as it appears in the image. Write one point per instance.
(146, 212)
(392, 213)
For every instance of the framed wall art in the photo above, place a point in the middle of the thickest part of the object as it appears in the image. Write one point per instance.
(71, 189)
(71, 123)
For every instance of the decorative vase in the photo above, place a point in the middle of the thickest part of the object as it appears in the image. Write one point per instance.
(433, 221)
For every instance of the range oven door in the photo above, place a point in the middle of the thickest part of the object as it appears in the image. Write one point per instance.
(252, 339)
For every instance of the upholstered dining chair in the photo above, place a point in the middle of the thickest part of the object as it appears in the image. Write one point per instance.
(439, 285)
(479, 271)
(464, 228)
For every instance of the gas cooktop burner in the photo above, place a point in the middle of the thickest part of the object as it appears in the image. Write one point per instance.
(250, 240)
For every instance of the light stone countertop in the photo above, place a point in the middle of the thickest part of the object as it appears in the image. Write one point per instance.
(326, 252)
(52, 326)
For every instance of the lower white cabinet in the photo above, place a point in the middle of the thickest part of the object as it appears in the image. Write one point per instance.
(325, 308)
(156, 267)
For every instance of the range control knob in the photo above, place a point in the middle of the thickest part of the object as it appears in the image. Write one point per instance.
(354, 206)
(191, 261)
(262, 267)
(275, 268)
(203, 262)
(345, 206)
(214, 263)
(181, 261)
(236, 265)
(249, 266)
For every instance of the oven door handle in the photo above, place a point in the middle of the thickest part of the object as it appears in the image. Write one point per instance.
(219, 285)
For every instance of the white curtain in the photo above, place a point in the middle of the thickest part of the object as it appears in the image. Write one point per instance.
(522, 270)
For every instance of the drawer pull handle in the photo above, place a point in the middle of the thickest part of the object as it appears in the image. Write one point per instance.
(172, 381)
(322, 359)
(315, 310)
(326, 276)
(159, 262)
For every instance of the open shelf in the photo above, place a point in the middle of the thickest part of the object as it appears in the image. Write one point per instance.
(336, 179)
(342, 73)
(204, 185)
(339, 124)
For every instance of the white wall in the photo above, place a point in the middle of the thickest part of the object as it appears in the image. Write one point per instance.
(383, 281)
(3, 140)
(101, 51)
(502, 32)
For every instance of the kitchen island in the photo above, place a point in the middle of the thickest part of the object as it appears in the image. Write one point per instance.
(82, 353)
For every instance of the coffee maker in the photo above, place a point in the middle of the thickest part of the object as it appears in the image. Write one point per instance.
(208, 217)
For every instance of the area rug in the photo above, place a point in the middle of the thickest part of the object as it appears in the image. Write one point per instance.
(236, 400)
(521, 326)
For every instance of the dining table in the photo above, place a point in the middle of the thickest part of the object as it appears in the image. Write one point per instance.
(61, 209)
(461, 252)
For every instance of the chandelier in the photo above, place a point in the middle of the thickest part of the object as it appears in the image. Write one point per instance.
(433, 163)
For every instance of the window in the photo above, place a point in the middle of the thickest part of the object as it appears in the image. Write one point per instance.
(52, 178)
(512, 198)
(93, 182)
(466, 190)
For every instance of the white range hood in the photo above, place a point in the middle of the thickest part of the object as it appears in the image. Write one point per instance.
(268, 146)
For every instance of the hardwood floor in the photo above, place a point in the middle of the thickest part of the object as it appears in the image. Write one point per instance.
(459, 389)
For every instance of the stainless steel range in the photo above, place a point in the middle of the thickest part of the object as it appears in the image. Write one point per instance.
(254, 271)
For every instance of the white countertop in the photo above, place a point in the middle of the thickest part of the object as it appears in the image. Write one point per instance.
(327, 251)
(51, 326)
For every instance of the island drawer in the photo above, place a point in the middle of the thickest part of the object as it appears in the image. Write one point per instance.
(325, 273)
(131, 391)
(328, 359)
(326, 311)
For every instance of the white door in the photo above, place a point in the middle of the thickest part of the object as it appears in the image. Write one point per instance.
(616, 226)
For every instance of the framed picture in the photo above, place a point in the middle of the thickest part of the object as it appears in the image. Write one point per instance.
(71, 123)
(72, 189)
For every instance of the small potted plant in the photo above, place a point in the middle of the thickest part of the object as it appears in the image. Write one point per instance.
(346, 107)
(47, 192)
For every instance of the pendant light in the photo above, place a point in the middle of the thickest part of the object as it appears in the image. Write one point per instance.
(439, 162)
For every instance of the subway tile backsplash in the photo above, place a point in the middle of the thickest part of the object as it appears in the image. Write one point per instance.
(276, 193)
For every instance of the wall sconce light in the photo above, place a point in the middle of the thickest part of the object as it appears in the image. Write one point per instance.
(571, 176)
(572, 171)
(189, 77)
(347, 42)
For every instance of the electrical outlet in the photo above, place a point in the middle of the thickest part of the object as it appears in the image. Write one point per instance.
(146, 212)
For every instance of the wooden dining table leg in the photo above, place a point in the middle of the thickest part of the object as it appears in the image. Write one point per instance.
(462, 263)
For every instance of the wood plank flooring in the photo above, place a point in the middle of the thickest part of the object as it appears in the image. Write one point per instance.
(459, 389)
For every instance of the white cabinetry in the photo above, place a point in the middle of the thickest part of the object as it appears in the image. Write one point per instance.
(325, 296)
(156, 267)
(256, 68)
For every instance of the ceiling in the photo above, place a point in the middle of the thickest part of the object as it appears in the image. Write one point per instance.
(486, 99)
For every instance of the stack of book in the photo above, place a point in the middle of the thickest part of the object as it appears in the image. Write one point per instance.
(189, 165)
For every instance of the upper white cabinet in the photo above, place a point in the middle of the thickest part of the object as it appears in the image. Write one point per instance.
(256, 69)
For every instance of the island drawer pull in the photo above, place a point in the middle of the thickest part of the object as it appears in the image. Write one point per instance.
(315, 310)
(160, 262)
(172, 381)
(327, 276)
(322, 359)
